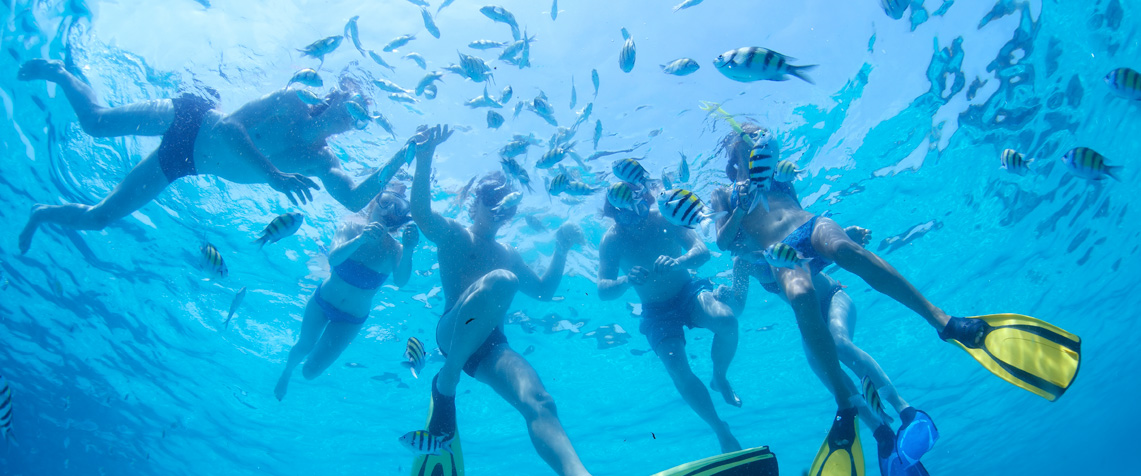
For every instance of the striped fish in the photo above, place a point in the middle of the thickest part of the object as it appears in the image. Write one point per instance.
(563, 184)
(623, 197)
(513, 169)
(786, 171)
(895, 8)
(414, 353)
(1125, 82)
(281, 227)
(683, 208)
(873, 398)
(212, 261)
(1013, 162)
(628, 54)
(1088, 164)
(755, 64)
(6, 409)
(763, 160)
(630, 170)
(781, 255)
(552, 157)
(307, 77)
(422, 443)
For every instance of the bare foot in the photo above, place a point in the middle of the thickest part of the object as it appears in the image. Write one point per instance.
(863, 236)
(282, 386)
(728, 442)
(50, 70)
(30, 228)
(726, 390)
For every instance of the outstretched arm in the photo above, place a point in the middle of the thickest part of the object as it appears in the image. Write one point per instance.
(544, 288)
(434, 225)
(403, 269)
(356, 196)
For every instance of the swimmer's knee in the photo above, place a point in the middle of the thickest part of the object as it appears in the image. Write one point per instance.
(98, 217)
(797, 288)
(538, 403)
(847, 250)
(310, 371)
(502, 281)
(95, 125)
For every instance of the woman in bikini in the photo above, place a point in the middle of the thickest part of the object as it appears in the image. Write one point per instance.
(364, 254)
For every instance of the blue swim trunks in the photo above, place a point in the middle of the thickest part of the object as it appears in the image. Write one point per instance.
(665, 319)
(801, 240)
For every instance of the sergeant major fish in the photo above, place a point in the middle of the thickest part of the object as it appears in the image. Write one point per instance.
(781, 255)
(6, 409)
(552, 157)
(505, 95)
(414, 356)
(623, 197)
(786, 171)
(514, 170)
(280, 227)
(627, 56)
(212, 261)
(594, 80)
(1014, 162)
(755, 63)
(597, 132)
(1125, 82)
(384, 123)
(512, 200)
(563, 184)
(422, 443)
(474, 68)
(683, 208)
(1088, 164)
(681, 67)
(630, 170)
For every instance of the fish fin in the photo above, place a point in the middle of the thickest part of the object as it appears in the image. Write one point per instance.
(1112, 170)
(625, 34)
(800, 72)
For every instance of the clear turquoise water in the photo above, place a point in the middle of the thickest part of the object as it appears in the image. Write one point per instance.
(113, 341)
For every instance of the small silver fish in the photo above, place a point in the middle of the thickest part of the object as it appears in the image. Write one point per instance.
(402, 97)
(686, 4)
(308, 77)
(486, 44)
(378, 60)
(442, 5)
(389, 86)
(505, 95)
(1088, 164)
(353, 34)
(574, 94)
(309, 97)
(755, 64)
(384, 123)
(494, 120)
(234, 307)
(318, 49)
(429, 24)
(597, 132)
(681, 67)
(427, 80)
(398, 42)
(683, 169)
(418, 59)
(483, 100)
(414, 356)
(627, 56)
(513, 169)
(541, 105)
(422, 443)
(281, 227)
(501, 15)
(594, 80)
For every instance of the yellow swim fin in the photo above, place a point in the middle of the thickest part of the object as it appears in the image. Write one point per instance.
(757, 461)
(1027, 352)
(443, 464)
(841, 453)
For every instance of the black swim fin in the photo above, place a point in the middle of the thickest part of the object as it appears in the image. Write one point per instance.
(1027, 352)
(757, 461)
(841, 454)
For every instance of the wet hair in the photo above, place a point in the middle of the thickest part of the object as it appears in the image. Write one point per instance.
(348, 86)
(731, 144)
(491, 189)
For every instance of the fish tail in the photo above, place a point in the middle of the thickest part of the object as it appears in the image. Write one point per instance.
(261, 242)
(799, 71)
(1112, 171)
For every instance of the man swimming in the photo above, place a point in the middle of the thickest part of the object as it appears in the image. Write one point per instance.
(276, 139)
(480, 279)
(819, 241)
(658, 256)
(364, 254)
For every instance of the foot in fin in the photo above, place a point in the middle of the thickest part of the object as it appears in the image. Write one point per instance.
(443, 421)
(722, 386)
(841, 453)
(917, 435)
(890, 464)
(1027, 352)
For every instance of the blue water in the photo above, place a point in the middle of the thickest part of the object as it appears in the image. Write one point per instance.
(113, 341)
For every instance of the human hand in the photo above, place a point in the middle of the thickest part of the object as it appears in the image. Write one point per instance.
(665, 264)
(741, 196)
(862, 236)
(373, 232)
(427, 138)
(294, 186)
(637, 276)
(411, 237)
(568, 236)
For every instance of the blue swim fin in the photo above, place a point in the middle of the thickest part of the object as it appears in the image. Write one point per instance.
(917, 435)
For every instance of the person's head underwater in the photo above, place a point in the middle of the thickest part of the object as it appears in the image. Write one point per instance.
(486, 198)
(390, 209)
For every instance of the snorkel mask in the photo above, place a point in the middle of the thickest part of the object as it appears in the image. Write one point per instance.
(392, 210)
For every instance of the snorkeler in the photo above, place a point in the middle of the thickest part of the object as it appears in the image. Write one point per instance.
(839, 312)
(480, 278)
(658, 256)
(1026, 352)
(364, 254)
(255, 144)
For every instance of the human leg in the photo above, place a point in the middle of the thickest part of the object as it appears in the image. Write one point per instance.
(334, 340)
(477, 313)
(709, 313)
(842, 324)
(832, 243)
(514, 379)
(798, 289)
(141, 185)
(671, 351)
(311, 326)
(147, 118)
